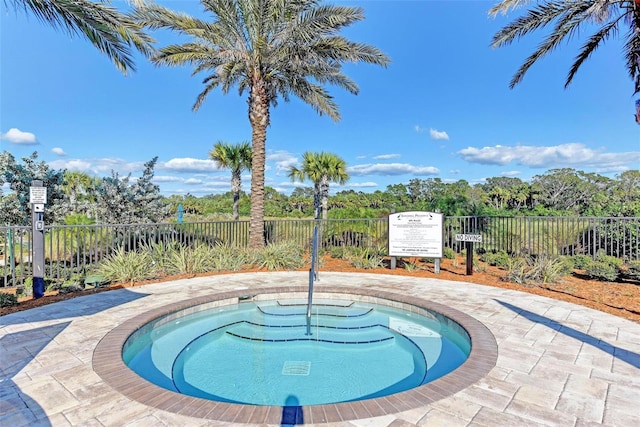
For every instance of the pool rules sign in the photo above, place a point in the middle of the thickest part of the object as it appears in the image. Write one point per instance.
(415, 234)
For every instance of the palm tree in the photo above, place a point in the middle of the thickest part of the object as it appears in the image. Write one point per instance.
(272, 49)
(321, 169)
(237, 158)
(569, 18)
(110, 31)
(76, 184)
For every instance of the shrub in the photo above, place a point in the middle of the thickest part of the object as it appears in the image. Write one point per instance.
(278, 256)
(632, 270)
(499, 259)
(186, 260)
(227, 258)
(600, 270)
(581, 261)
(538, 270)
(124, 266)
(448, 253)
(365, 258)
(601, 256)
(8, 300)
(411, 264)
(336, 252)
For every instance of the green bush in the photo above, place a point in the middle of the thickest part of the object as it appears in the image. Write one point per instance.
(601, 256)
(632, 270)
(8, 300)
(186, 260)
(499, 259)
(448, 253)
(366, 259)
(600, 270)
(581, 261)
(538, 269)
(279, 256)
(227, 258)
(123, 266)
(336, 252)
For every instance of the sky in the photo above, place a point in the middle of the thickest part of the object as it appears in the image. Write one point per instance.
(441, 109)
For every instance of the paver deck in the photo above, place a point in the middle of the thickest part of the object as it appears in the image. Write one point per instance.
(558, 364)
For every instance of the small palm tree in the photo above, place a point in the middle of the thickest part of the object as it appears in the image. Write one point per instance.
(321, 169)
(110, 31)
(271, 49)
(238, 159)
(569, 18)
(76, 184)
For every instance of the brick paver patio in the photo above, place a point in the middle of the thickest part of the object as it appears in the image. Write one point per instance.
(558, 364)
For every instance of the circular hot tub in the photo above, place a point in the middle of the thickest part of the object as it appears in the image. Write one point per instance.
(256, 357)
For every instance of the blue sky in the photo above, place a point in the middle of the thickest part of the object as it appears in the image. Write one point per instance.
(442, 109)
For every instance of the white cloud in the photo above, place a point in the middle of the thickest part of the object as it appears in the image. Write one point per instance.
(167, 178)
(369, 184)
(17, 136)
(100, 167)
(188, 164)
(510, 173)
(58, 151)
(419, 129)
(282, 159)
(454, 171)
(192, 181)
(386, 156)
(437, 135)
(563, 155)
(391, 169)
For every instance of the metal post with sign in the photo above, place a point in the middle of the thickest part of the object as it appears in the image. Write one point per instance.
(37, 199)
(469, 239)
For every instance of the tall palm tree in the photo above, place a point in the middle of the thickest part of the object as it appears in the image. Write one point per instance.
(110, 31)
(237, 158)
(272, 49)
(321, 169)
(569, 18)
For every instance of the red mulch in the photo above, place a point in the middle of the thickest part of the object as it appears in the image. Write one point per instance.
(618, 298)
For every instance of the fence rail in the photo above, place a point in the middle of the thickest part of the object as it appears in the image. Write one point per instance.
(71, 250)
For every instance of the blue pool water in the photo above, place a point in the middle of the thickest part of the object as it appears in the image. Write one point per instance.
(260, 353)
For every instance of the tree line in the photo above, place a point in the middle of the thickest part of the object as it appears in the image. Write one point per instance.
(77, 198)
(557, 192)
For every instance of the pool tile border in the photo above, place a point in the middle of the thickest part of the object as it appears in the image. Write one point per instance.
(108, 364)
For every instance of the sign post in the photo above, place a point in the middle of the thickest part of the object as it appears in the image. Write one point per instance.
(415, 234)
(37, 199)
(469, 239)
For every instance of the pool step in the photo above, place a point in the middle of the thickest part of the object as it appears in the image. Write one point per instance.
(317, 310)
(358, 335)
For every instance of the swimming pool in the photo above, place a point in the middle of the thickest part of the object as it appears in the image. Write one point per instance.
(264, 353)
(108, 363)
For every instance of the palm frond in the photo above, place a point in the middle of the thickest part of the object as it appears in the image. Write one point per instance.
(506, 5)
(589, 47)
(110, 31)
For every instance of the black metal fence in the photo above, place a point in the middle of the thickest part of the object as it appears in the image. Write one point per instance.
(78, 249)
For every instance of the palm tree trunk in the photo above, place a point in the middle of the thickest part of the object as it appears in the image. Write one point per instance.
(235, 188)
(324, 194)
(259, 119)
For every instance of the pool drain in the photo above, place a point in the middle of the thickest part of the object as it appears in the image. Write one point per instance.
(293, 367)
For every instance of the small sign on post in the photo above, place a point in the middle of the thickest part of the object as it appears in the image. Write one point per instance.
(37, 198)
(469, 239)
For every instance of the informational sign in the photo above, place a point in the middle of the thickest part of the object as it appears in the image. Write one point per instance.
(38, 195)
(477, 238)
(417, 234)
